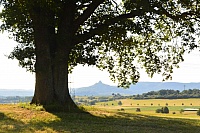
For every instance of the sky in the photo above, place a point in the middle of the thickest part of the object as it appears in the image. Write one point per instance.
(14, 77)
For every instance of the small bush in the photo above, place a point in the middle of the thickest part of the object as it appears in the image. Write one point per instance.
(29, 106)
(158, 110)
(122, 109)
(138, 110)
(181, 111)
(119, 103)
(165, 110)
(174, 113)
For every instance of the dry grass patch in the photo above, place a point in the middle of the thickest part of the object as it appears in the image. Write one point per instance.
(26, 115)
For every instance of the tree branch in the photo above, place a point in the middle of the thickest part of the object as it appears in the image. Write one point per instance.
(87, 13)
(102, 27)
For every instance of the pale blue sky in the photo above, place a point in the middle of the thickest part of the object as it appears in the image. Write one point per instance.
(14, 77)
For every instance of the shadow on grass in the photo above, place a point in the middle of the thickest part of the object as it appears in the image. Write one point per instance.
(9, 125)
(86, 123)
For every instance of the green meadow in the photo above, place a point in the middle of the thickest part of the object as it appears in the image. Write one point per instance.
(105, 117)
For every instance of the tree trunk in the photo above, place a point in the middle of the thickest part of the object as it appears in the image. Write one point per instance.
(51, 89)
(60, 73)
(44, 81)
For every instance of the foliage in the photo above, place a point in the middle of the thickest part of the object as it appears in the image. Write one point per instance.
(159, 111)
(120, 103)
(31, 106)
(165, 110)
(170, 94)
(92, 102)
(181, 111)
(138, 110)
(122, 109)
(15, 99)
(120, 38)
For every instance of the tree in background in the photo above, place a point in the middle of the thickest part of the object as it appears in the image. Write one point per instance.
(165, 110)
(120, 103)
(54, 36)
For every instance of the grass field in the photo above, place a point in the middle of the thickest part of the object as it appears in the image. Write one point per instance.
(148, 107)
(157, 102)
(100, 119)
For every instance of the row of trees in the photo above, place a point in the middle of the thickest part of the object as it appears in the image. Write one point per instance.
(170, 94)
(15, 99)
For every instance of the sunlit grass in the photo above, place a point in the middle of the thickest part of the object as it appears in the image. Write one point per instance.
(31, 106)
(26, 119)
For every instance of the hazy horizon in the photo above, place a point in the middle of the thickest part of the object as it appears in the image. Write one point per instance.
(26, 89)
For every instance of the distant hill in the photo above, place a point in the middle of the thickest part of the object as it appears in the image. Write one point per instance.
(101, 89)
(15, 92)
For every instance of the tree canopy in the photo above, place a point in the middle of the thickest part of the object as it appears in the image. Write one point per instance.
(119, 36)
(112, 36)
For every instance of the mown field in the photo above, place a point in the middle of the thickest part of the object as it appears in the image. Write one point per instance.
(148, 107)
(100, 119)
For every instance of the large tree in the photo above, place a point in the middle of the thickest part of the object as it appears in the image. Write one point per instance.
(119, 36)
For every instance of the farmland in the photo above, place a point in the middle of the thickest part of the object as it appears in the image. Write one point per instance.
(148, 107)
(103, 117)
(16, 119)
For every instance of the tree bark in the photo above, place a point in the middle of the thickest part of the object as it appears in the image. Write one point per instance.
(44, 81)
(52, 55)
(60, 73)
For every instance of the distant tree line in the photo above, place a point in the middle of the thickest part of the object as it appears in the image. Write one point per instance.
(15, 99)
(169, 94)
